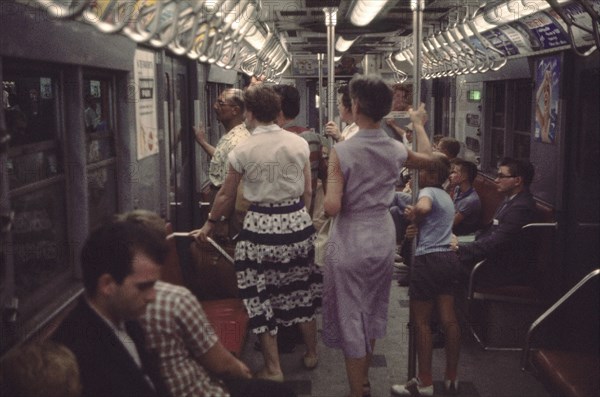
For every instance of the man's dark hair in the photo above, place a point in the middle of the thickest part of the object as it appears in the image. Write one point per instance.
(373, 96)
(290, 100)
(110, 249)
(263, 102)
(449, 146)
(467, 167)
(440, 166)
(344, 91)
(520, 168)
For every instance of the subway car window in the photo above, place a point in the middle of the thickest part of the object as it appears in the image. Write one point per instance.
(510, 121)
(36, 179)
(98, 94)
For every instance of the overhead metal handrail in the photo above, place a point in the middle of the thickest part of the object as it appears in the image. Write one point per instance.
(71, 9)
(113, 17)
(494, 64)
(484, 65)
(401, 77)
(209, 31)
(571, 22)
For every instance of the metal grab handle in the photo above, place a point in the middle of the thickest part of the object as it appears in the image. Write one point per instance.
(58, 10)
(488, 46)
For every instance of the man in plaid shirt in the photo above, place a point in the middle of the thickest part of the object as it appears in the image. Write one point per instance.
(192, 360)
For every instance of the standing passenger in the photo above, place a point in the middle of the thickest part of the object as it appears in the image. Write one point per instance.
(276, 276)
(358, 269)
(345, 110)
(290, 108)
(434, 278)
(230, 112)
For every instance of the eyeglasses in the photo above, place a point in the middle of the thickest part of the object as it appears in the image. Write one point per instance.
(502, 176)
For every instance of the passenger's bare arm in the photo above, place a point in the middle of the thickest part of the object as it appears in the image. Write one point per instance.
(422, 156)
(335, 186)
(307, 196)
(220, 361)
(223, 205)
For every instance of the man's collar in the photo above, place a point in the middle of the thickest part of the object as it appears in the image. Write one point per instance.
(111, 324)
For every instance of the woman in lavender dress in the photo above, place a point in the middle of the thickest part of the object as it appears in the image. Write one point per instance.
(358, 263)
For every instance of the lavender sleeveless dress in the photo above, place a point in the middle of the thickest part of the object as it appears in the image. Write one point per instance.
(358, 263)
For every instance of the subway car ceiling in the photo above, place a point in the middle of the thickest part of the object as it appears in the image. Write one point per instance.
(273, 38)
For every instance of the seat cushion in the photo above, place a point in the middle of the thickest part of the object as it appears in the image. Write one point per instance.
(230, 321)
(571, 373)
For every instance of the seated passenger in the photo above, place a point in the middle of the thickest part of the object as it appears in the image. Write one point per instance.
(501, 242)
(192, 360)
(45, 369)
(466, 200)
(120, 262)
(449, 146)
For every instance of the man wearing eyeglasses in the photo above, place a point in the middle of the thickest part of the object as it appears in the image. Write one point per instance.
(502, 242)
(229, 109)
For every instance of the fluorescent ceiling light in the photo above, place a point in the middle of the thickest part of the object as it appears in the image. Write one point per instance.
(364, 11)
(342, 45)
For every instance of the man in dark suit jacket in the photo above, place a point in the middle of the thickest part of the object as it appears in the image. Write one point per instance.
(120, 265)
(502, 243)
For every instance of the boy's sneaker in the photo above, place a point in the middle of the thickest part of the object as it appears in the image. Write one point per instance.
(451, 387)
(413, 388)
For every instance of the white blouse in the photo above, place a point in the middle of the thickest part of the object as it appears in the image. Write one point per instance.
(272, 161)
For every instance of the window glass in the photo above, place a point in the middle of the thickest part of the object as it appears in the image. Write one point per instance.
(30, 164)
(97, 114)
(97, 103)
(100, 148)
(39, 239)
(102, 188)
(31, 120)
(522, 106)
(30, 106)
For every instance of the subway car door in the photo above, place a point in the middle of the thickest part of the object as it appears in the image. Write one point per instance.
(178, 134)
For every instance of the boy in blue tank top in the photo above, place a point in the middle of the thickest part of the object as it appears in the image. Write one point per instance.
(434, 276)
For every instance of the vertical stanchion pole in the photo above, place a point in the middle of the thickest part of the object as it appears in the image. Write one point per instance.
(321, 94)
(417, 7)
(330, 22)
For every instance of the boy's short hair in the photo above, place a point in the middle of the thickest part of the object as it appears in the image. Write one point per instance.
(439, 165)
(449, 146)
(468, 167)
(290, 100)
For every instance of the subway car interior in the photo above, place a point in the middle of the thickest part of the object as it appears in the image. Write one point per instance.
(100, 102)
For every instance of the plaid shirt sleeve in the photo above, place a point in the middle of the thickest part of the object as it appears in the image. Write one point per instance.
(195, 329)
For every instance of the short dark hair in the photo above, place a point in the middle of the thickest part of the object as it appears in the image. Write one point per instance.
(373, 96)
(449, 145)
(290, 100)
(440, 166)
(110, 249)
(467, 167)
(263, 102)
(344, 92)
(520, 168)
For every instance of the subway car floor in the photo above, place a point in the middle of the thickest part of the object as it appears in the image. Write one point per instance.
(481, 373)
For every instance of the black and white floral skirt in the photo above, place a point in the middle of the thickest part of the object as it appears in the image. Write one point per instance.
(274, 262)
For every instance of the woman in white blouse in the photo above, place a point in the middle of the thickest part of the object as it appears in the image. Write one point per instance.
(277, 279)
